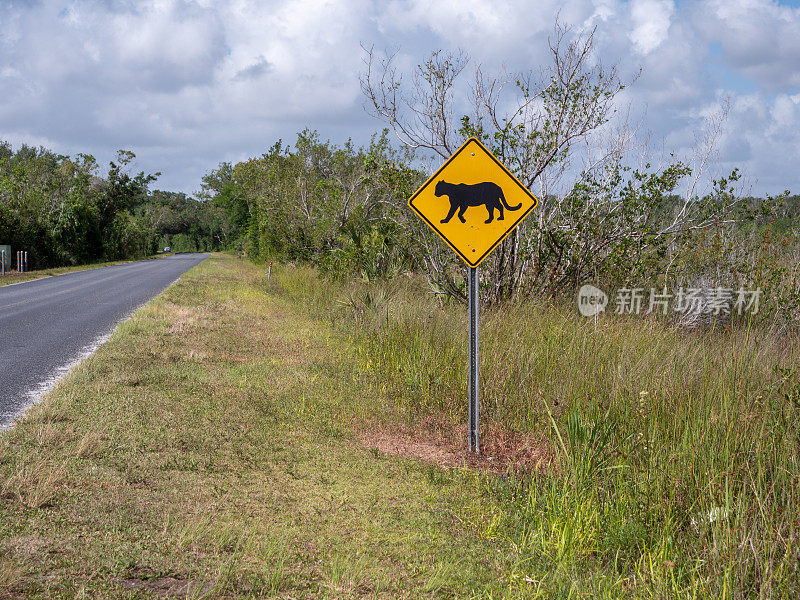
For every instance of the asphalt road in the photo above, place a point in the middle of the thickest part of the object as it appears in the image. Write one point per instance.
(48, 324)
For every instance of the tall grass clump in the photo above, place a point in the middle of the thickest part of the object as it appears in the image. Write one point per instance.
(674, 455)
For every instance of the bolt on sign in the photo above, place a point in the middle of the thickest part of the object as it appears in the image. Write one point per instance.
(473, 202)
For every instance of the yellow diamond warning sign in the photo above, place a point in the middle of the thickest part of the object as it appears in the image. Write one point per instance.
(473, 202)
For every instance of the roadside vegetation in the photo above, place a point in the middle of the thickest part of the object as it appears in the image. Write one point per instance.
(242, 437)
(64, 211)
(641, 460)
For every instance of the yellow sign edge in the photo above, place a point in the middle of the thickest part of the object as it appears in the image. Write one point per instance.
(510, 229)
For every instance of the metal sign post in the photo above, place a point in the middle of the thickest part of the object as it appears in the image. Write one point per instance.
(474, 372)
(473, 201)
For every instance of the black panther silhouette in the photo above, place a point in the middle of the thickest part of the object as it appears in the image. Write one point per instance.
(464, 195)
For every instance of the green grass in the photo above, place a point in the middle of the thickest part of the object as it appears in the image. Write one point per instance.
(664, 463)
(211, 449)
(14, 277)
(207, 450)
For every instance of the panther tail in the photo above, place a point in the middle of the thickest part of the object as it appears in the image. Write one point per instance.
(503, 200)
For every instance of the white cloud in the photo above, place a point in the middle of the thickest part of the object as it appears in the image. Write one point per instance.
(187, 84)
(512, 32)
(759, 38)
(651, 21)
(770, 129)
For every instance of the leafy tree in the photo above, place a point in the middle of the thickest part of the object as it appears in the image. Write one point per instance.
(62, 211)
(220, 189)
(332, 205)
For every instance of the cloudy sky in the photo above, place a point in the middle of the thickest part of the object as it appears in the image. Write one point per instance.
(187, 84)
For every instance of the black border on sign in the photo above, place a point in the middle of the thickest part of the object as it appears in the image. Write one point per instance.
(502, 237)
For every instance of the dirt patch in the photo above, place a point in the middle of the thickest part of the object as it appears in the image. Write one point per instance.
(406, 443)
(521, 452)
(184, 319)
(436, 440)
(165, 586)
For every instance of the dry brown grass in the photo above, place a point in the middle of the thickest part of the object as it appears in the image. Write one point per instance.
(90, 445)
(10, 575)
(34, 484)
(439, 440)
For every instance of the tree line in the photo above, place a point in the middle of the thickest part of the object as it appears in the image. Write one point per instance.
(344, 209)
(63, 211)
(606, 214)
(340, 207)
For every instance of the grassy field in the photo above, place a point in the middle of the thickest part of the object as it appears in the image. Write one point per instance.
(14, 277)
(650, 462)
(298, 438)
(208, 451)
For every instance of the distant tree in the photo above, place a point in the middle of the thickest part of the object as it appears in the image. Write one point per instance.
(220, 190)
(62, 211)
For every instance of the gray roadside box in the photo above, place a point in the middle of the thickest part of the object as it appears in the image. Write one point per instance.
(7, 248)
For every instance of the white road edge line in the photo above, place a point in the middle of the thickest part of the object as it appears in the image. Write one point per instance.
(36, 393)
